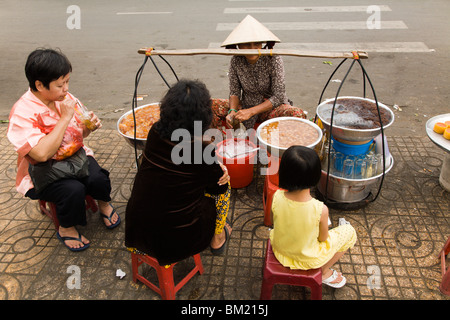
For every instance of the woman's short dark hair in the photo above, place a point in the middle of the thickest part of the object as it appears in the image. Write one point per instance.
(300, 169)
(184, 103)
(46, 65)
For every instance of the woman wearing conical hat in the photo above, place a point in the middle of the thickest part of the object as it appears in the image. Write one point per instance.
(257, 88)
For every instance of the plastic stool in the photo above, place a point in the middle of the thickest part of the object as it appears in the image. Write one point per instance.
(167, 288)
(445, 283)
(275, 273)
(50, 211)
(268, 192)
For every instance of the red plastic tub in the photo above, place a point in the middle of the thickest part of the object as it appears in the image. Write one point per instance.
(240, 167)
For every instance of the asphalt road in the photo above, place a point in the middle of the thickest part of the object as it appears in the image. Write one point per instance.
(103, 49)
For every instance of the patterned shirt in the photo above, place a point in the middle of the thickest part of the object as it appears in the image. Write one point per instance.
(254, 83)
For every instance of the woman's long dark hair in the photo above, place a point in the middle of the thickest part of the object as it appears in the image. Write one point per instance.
(186, 102)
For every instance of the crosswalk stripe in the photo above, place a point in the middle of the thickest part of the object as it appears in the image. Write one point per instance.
(387, 47)
(142, 13)
(304, 9)
(318, 25)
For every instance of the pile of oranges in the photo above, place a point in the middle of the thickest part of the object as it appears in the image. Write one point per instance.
(443, 128)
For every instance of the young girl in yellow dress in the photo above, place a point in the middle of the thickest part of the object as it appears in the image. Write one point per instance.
(300, 237)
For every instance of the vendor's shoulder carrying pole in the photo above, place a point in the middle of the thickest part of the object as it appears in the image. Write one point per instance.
(262, 52)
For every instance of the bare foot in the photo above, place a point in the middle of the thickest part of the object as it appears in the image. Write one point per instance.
(219, 239)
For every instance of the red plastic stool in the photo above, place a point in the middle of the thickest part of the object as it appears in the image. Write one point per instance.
(268, 192)
(275, 273)
(167, 288)
(49, 209)
(445, 283)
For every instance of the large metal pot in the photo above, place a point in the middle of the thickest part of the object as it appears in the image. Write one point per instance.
(349, 190)
(140, 142)
(277, 150)
(350, 134)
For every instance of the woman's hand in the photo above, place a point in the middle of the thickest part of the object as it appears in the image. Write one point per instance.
(225, 178)
(230, 119)
(95, 120)
(243, 114)
(67, 109)
(94, 124)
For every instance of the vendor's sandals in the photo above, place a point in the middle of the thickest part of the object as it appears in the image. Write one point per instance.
(64, 239)
(220, 250)
(112, 225)
(329, 281)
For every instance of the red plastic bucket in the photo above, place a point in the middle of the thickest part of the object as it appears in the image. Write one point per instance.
(240, 168)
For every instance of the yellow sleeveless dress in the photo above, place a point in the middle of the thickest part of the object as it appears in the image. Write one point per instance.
(294, 237)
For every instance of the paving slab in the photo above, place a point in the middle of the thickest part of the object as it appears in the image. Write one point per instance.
(400, 235)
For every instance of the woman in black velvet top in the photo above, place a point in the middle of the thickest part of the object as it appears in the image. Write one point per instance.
(180, 197)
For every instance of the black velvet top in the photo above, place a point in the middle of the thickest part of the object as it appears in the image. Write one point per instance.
(168, 215)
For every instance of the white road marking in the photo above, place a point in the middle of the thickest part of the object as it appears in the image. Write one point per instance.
(143, 12)
(318, 25)
(303, 9)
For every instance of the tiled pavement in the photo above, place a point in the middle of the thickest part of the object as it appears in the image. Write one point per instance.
(399, 238)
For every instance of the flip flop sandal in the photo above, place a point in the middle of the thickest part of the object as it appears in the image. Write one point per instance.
(111, 226)
(329, 281)
(220, 250)
(63, 239)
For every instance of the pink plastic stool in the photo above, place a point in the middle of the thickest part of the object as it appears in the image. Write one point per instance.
(167, 288)
(275, 273)
(49, 209)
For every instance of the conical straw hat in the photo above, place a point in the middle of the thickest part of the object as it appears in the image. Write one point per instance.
(249, 30)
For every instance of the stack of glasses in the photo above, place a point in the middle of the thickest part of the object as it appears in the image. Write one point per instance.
(362, 166)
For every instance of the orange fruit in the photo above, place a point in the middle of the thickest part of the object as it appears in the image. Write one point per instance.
(447, 123)
(439, 127)
(447, 133)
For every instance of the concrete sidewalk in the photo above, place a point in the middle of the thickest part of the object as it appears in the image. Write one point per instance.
(399, 238)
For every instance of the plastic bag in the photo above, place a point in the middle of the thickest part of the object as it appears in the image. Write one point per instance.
(44, 173)
(71, 142)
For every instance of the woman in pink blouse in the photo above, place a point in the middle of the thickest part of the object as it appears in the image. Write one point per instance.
(257, 83)
(40, 124)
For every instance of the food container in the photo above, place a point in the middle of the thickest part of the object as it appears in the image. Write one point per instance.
(278, 151)
(275, 151)
(140, 142)
(349, 190)
(346, 134)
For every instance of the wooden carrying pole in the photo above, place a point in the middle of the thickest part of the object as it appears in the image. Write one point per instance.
(263, 52)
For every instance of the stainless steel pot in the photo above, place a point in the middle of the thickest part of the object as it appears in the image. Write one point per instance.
(140, 142)
(349, 134)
